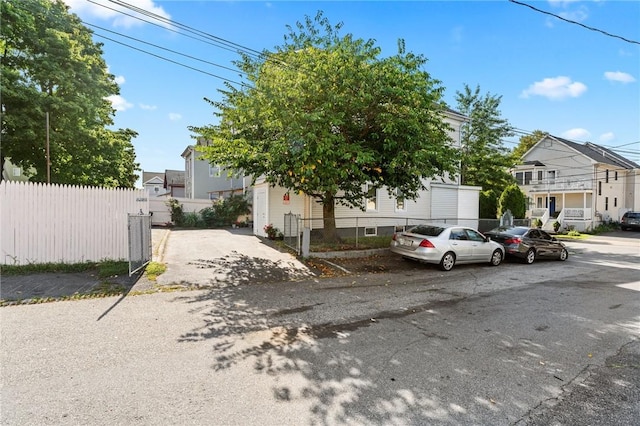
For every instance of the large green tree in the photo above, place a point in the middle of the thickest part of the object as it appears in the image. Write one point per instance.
(527, 142)
(50, 64)
(485, 159)
(325, 114)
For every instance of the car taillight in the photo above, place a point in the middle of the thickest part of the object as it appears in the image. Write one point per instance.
(427, 244)
(513, 241)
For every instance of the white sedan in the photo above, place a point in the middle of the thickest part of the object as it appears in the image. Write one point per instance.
(446, 245)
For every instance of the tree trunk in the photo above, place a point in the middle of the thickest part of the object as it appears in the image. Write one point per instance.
(330, 234)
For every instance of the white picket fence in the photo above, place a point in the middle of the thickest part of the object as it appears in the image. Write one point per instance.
(42, 223)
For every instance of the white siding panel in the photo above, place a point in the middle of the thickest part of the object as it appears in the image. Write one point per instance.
(444, 202)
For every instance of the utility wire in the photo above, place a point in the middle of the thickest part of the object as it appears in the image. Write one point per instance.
(171, 60)
(164, 48)
(575, 22)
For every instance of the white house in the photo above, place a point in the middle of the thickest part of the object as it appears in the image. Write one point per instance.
(443, 200)
(579, 185)
(153, 183)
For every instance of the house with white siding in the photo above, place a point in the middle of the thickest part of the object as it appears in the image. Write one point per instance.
(578, 185)
(443, 200)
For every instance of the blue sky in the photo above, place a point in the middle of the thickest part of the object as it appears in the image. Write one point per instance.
(552, 75)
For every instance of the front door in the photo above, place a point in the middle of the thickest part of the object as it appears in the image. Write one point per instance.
(260, 215)
(552, 206)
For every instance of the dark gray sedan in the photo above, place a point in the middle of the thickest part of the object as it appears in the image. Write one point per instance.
(528, 243)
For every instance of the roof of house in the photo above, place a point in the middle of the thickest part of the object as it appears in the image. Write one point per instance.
(174, 178)
(599, 153)
(147, 176)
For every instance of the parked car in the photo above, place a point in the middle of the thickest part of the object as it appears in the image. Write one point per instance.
(446, 245)
(630, 221)
(528, 243)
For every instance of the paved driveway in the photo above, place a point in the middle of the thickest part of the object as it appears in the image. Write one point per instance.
(214, 257)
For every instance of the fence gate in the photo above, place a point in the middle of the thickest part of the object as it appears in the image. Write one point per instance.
(292, 231)
(139, 241)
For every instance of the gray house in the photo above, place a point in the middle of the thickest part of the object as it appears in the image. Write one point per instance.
(207, 181)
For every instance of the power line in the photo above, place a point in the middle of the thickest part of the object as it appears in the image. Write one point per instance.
(164, 48)
(171, 60)
(575, 22)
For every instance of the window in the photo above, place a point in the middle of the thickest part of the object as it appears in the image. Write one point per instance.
(600, 188)
(400, 202)
(615, 202)
(16, 171)
(474, 236)
(370, 231)
(214, 170)
(606, 176)
(615, 175)
(527, 178)
(371, 202)
(520, 178)
(540, 175)
(539, 203)
(551, 176)
(606, 203)
(156, 189)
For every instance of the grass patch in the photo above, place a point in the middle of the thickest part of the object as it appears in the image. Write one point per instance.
(363, 243)
(104, 269)
(154, 269)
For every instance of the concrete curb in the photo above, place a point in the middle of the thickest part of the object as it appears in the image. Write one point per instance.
(348, 254)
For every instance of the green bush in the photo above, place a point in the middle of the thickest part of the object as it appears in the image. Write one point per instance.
(192, 220)
(512, 198)
(488, 204)
(177, 214)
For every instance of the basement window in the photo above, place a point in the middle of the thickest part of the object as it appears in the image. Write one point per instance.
(370, 231)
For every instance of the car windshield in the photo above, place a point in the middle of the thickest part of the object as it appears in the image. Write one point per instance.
(632, 215)
(512, 230)
(430, 231)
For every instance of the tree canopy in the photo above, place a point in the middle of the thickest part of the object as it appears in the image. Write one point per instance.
(50, 64)
(485, 159)
(325, 114)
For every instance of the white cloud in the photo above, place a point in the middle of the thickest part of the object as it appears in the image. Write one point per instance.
(119, 103)
(174, 116)
(148, 107)
(576, 134)
(114, 13)
(555, 88)
(120, 80)
(619, 76)
(607, 137)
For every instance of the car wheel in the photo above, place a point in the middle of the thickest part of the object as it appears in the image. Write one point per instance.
(530, 256)
(496, 258)
(564, 254)
(447, 262)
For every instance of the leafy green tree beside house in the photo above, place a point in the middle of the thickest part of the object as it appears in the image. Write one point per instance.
(324, 115)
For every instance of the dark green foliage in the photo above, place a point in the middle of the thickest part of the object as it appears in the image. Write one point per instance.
(512, 198)
(227, 210)
(50, 64)
(485, 159)
(488, 204)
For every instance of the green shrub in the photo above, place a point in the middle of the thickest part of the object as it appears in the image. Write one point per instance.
(512, 198)
(177, 214)
(192, 220)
